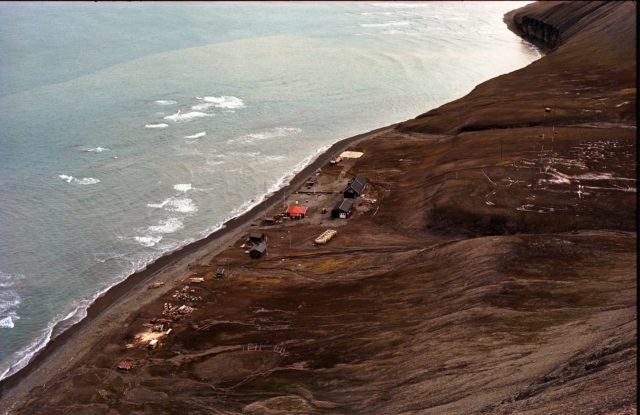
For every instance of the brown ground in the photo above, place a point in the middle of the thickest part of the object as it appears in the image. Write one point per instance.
(495, 273)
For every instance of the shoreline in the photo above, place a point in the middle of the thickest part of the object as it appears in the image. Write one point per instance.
(216, 241)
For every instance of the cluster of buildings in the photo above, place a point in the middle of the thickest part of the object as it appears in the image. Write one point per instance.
(355, 188)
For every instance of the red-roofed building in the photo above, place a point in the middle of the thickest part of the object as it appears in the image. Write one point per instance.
(296, 212)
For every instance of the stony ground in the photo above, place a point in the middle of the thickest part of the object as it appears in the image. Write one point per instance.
(495, 272)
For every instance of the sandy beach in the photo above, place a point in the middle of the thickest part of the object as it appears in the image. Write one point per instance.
(489, 267)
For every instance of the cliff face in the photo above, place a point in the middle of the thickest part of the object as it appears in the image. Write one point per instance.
(539, 33)
(593, 48)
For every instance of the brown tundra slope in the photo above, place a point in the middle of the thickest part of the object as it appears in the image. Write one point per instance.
(496, 273)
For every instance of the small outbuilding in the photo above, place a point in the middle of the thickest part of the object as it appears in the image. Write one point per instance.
(355, 187)
(343, 209)
(325, 237)
(256, 238)
(258, 250)
(296, 212)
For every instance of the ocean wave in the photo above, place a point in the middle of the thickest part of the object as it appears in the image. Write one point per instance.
(9, 300)
(395, 5)
(387, 24)
(160, 125)
(394, 32)
(196, 135)
(96, 150)
(86, 149)
(170, 225)
(277, 132)
(182, 187)
(83, 181)
(183, 205)
(165, 102)
(23, 356)
(7, 322)
(210, 162)
(9, 303)
(173, 204)
(148, 241)
(187, 116)
(60, 322)
(224, 101)
(272, 159)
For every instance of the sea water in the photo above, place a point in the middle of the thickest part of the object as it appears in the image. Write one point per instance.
(128, 130)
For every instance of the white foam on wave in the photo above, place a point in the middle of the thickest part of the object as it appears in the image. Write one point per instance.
(6, 323)
(187, 116)
(277, 132)
(170, 225)
(22, 357)
(182, 187)
(97, 150)
(83, 181)
(183, 205)
(387, 24)
(88, 180)
(165, 102)
(224, 101)
(160, 125)
(9, 300)
(196, 135)
(86, 149)
(173, 204)
(148, 241)
(273, 159)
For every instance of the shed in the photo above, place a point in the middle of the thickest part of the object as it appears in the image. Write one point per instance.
(256, 238)
(325, 237)
(355, 187)
(351, 154)
(258, 250)
(297, 212)
(343, 209)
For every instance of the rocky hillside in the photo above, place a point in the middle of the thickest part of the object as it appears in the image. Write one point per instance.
(494, 274)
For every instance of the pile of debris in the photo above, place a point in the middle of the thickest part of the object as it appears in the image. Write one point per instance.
(187, 294)
(176, 313)
(125, 365)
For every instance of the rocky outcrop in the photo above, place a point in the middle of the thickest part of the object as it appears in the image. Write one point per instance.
(587, 76)
(539, 32)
